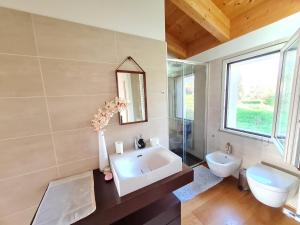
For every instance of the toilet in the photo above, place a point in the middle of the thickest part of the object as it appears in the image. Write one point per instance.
(270, 186)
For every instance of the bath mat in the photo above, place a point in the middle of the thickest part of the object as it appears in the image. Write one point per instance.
(203, 180)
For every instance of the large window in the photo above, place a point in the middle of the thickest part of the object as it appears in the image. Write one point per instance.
(250, 94)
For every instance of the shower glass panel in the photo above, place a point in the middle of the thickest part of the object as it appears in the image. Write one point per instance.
(175, 100)
(186, 91)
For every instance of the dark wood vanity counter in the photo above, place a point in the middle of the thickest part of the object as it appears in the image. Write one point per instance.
(110, 208)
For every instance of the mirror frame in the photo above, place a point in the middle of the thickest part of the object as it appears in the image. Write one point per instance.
(145, 95)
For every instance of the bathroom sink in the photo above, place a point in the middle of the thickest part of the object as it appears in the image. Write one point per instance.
(136, 169)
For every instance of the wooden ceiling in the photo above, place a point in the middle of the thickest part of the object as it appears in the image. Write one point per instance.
(193, 26)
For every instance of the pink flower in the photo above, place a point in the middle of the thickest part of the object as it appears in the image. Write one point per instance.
(101, 119)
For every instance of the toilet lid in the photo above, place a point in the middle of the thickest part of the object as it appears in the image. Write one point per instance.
(272, 179)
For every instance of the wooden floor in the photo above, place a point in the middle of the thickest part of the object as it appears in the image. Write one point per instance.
(224, 204)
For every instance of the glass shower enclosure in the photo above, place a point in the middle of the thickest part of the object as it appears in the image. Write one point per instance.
(187, 109)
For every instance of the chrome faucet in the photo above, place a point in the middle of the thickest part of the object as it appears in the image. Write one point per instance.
(228, 148)
(136, 143)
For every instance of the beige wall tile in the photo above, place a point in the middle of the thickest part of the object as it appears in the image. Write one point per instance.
(25, 155)
(62, 39)
(118, 132)
(23, 217)
(77, 84)
(64, 77)
(16, 33)
(76, 145)
(127, 133)
(20, 76)
(157, 105)
(22, 117)
(23, 192)
(156, 80)
(79, 167)
(148, 53)
(75, 112)
(159, 128)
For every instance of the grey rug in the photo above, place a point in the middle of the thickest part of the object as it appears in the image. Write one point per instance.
(203, 180)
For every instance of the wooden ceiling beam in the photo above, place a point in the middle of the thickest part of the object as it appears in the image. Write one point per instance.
(208, 15)
(201, 44)
(233, 8)
(197, 25)
(175, 46)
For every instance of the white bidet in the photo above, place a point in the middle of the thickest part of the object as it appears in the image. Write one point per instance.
(222, 164)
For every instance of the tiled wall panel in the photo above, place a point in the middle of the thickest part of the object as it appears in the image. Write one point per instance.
(54, 75)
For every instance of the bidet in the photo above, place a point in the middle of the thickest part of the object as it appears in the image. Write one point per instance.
(222, 164)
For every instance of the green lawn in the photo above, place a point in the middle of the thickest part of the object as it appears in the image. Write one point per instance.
(254, 116)
(255, 120)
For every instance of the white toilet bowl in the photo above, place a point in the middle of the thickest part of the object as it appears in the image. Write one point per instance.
(222, 164)
(271, 186)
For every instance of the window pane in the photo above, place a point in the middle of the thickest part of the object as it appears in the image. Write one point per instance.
(289, 64)
(251, 87)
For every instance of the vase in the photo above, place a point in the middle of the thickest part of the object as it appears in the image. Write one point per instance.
(103, 156)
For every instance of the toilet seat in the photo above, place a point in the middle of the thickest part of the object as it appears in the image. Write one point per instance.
(271, 179)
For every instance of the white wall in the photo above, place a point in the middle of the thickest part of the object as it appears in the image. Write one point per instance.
(251, 150)
(281, 29)
(144, 18)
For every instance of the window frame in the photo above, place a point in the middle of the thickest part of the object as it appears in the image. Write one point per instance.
(289, 150)
(225, 84)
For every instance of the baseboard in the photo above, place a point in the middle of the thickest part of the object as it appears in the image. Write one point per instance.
(289, 208)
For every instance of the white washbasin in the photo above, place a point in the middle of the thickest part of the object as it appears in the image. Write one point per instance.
(222, 164)
(139, 168)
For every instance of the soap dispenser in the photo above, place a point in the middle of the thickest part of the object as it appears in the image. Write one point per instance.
(139, 142)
